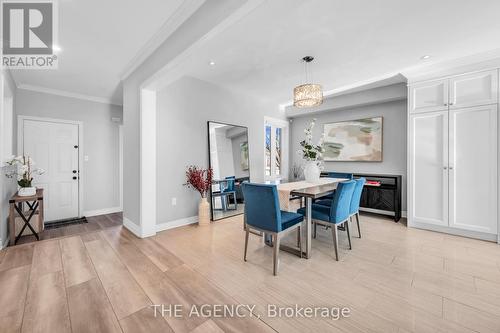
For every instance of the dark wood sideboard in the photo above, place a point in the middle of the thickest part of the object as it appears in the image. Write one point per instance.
(385, 197)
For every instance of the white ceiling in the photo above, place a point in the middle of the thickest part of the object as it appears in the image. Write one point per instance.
(353, 41)
(99, 38)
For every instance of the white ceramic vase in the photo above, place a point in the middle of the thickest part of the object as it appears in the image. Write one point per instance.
(26, 191)
(312, 172)
(203, 212)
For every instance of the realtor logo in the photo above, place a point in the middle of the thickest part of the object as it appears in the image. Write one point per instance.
(28, 30)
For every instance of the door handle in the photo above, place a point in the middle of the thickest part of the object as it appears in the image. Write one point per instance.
(451, 168)
(445, 168)
(74, 177)
(74, 171)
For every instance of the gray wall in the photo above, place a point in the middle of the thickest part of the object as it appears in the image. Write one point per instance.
(182, 137)
(7, 186)
(394, 139)
(100, 141)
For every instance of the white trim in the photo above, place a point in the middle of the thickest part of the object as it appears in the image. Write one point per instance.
(20, 148)
(5, 243)
(181, 14)
(120, 163)
(285, 142)
(454, 231)
(381, 212)
(69, 94)
(147, 173)
(176, 223)
(103, 211)
(132, 227)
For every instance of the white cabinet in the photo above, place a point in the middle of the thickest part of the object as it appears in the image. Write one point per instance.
(453, 154)
(474, 89)
(429, 168)
(429, 96)
(473, 168)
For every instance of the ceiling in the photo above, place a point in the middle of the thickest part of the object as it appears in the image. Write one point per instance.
(352, 41)
(98, 40)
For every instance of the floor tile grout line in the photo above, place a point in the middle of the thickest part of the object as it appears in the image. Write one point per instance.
(100, 282)
(65, 286)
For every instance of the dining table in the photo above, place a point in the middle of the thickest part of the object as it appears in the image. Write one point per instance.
(309, 191)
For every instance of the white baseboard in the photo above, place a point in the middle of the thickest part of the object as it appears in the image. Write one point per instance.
(176, 223)
(4, 243)
(454, 231)
(139, 232)
(382, 212)
(102, 211)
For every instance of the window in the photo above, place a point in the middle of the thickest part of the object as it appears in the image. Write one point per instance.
(268, 150)
(275, 149)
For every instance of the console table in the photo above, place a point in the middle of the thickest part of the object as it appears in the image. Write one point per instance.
(382, 197)
(35, 205)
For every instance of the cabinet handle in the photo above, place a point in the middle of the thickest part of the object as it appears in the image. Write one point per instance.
(445, 104)
(451, 168)
(451, 103)
(445, 168)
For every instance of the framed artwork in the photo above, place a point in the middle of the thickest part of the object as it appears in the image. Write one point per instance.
(354, 140)
(244, 156)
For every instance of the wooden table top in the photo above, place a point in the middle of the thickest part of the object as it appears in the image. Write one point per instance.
(317, 191)
(38, 196)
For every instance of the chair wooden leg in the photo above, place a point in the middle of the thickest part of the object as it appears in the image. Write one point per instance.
(348, 233)
(359, 229)
(335, 241)
(247, 231)
(276, 259)
(299, 231)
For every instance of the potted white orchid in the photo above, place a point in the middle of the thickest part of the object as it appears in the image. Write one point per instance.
(312, 154)
(23, 169)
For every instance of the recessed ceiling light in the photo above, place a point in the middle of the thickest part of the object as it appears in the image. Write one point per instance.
(425, 57)
(56, 48)
(212, 63)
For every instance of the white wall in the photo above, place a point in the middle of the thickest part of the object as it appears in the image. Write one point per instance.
(7, 141)
(100, 143)
(183, 134)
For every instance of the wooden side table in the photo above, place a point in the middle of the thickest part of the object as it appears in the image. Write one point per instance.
(35, 204)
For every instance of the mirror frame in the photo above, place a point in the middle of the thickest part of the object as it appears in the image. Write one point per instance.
(210, 164)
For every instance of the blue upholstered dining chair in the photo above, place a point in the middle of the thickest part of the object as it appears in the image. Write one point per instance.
(262, 212)
(336, 214)
(344, 175)
(356, 200)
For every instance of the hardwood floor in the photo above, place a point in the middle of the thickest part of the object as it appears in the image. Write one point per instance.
(394, 279)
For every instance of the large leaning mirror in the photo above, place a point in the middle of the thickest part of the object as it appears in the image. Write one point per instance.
(229, 160)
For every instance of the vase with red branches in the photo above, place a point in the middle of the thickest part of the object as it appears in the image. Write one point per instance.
(200, 180)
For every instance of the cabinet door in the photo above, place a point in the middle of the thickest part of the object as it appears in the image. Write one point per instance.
(428, 183)
(473, 169)
(474, 89)
(429, 96)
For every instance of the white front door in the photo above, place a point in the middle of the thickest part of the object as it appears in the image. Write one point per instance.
(54, 147)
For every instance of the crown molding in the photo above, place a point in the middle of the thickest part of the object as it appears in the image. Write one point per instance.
(185, 10)
(64, 93)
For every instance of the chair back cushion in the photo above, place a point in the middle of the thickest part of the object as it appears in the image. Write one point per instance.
(230, 184)
(340, 175)
(339, 210)
(262, 208)
(356, 196)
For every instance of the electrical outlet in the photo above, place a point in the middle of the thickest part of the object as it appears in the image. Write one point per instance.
(174, 201)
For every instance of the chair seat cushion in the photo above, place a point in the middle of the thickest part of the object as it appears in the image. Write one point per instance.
(324, 202)
(319, 212)
(289, 219)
